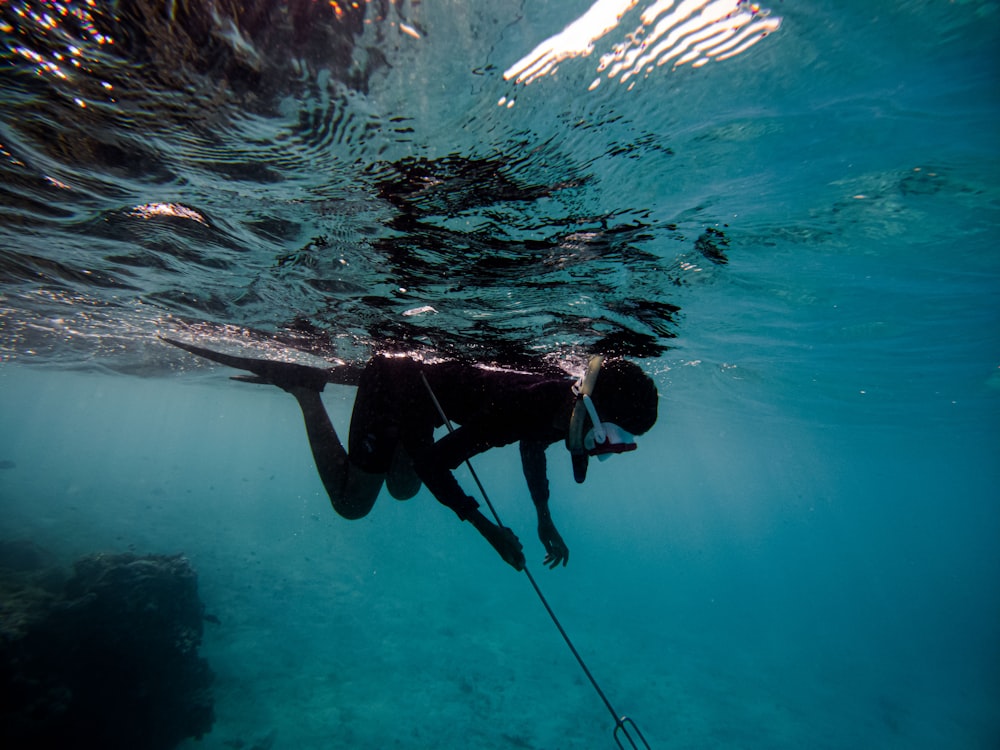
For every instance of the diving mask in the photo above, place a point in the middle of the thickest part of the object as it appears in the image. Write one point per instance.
(603, 439)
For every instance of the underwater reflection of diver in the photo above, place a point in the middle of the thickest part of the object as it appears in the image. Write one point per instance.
(401, 400)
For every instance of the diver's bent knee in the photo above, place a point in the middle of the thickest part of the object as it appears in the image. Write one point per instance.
(353, 511)
(404, 491)
(358, 494)
(402, 480)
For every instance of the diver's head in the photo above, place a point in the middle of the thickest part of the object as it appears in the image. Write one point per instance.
(615, 400)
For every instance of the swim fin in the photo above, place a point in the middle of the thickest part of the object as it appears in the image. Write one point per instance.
(282, 374)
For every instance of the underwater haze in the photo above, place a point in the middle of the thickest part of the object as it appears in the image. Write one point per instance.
(787, 215)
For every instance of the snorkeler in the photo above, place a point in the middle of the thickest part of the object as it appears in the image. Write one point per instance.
(391, 439)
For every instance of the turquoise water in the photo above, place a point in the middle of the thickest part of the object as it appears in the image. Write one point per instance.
(802, 553)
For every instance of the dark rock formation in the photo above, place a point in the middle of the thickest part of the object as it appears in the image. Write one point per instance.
(106, 659)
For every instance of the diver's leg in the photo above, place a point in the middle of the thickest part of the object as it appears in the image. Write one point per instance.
(402, 480)
(352, 491)
(285, 375)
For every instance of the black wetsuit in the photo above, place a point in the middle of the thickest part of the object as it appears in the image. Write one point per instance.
(493, 407)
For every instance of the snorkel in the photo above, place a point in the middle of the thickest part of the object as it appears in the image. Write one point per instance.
(604, 438)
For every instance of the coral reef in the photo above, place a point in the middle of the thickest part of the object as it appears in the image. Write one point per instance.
(105, 658)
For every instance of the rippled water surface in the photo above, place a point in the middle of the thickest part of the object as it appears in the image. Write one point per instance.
(788, 214)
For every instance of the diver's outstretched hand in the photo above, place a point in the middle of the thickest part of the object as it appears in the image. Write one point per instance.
(504, 540)
(509, 546)
(555, 548)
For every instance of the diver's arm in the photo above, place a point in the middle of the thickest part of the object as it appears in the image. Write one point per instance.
(535, 471)
(534, 465)
(434, 465)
